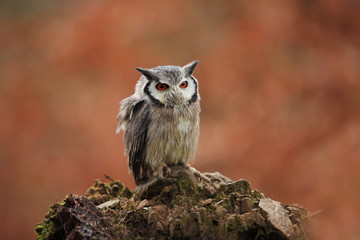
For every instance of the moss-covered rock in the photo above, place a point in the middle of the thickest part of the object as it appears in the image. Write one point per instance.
(182, 204)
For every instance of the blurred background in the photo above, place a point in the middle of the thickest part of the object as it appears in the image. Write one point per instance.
(279, 81)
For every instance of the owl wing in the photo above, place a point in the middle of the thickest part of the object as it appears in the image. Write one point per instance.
(135, 122)
(127, 109)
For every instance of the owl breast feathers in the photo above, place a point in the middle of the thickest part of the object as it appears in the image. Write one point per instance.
(161, 119)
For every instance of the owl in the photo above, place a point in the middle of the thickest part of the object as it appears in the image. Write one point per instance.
(161, 120)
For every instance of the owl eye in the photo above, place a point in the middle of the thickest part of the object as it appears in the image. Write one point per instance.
(184, 84)
(161, 86)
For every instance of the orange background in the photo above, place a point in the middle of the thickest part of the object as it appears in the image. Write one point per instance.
(279, 81)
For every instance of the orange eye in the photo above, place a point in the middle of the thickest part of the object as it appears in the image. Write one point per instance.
(184, 84)
(161, 86)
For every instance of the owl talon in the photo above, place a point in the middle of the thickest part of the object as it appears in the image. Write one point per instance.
(162, 171)
(200, 177)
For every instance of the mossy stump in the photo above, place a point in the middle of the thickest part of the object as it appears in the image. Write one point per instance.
(184, 204)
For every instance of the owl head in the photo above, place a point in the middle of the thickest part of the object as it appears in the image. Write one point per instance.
(169, 86)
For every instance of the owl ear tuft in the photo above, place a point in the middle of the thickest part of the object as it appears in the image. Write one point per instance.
(148, 73)
(189, 68)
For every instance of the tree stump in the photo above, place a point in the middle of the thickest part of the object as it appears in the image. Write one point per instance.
(181, 204)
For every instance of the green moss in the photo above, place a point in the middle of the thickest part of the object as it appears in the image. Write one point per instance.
(116, 188)
(113, 189)
(101, 192)
(185, 192)
(210, 209)
(43, 230)
(127, 193)
(256, 194)
(186, 185)
(48, 227)
(235, 223)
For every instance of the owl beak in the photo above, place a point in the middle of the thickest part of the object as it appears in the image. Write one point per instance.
(176, 100)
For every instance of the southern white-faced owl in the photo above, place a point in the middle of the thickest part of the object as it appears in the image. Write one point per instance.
(161, 119)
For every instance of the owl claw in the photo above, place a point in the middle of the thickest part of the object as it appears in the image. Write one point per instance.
(200, 177)
(162, 171)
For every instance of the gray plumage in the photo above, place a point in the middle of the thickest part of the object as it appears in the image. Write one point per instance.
(161, 119)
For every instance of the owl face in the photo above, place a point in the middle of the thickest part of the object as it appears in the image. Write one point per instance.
(171, 86)
(172, 93)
